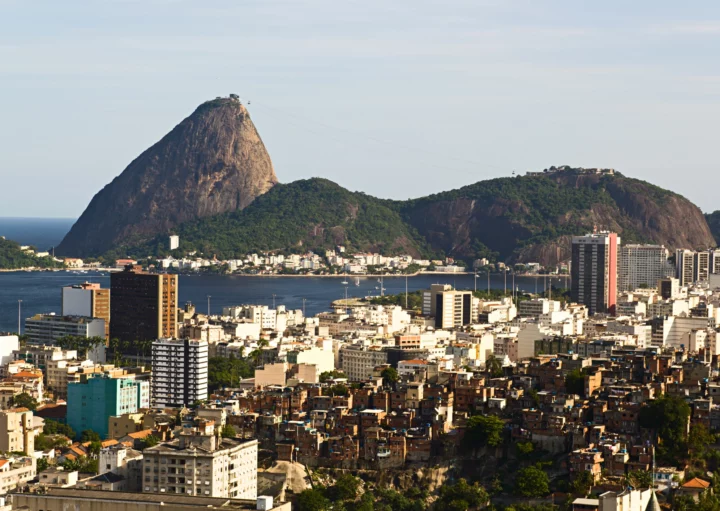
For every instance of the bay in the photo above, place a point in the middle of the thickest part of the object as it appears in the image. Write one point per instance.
(40, 292)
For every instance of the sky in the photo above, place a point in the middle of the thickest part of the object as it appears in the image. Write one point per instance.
(398, 98)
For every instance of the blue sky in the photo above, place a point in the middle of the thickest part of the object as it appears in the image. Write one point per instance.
(395, 98)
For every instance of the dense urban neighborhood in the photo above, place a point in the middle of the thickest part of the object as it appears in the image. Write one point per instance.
(599, 396)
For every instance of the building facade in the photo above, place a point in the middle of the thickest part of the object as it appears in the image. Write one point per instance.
(93, 401)
(594, 271)
(143, 305)
(642, 266)
(449, 307)
(199, 462)
(48, 328)
(89, 300)
(16, 431)
(179, 372)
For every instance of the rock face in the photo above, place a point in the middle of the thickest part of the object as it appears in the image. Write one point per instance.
(212, 162)
(533, 218)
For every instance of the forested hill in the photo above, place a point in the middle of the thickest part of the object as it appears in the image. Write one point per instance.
(525, 218)
(310, 214)
(531, 218)
(12, 258)
(713, 220)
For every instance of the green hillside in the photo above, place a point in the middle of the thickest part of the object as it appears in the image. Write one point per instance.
(11, 257)
(311, 214)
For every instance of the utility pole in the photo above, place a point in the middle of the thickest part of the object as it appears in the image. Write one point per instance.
(304, 308)
(475, 275)
(19, 316)
(273, 300)
(406, 291)
(208, 297)
(505, 272)
(488, 273)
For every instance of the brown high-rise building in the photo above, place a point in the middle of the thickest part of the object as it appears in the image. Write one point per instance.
(143, 306)
(89, 300)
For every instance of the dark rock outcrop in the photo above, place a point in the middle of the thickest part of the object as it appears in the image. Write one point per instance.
(211, 163)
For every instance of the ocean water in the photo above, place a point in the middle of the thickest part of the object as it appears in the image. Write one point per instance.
(40, 291)
(42, 233)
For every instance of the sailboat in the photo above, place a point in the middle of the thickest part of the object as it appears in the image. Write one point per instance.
(345, 280)
(357, 281)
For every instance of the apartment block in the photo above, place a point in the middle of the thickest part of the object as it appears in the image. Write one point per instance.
(199, 462)
(595, 271)
(16, 431)
(143, 305)
(641, 266)
(179, 372)
(48, 328)
(89, 300)
(93, 401)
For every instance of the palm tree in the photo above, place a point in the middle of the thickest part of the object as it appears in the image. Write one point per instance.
(493, 365)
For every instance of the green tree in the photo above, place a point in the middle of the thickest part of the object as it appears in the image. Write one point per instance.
(493, 366)
(331, 375)
(345, 488)
(532, 482)
(668, 416)
(312, 500)
(88, 435)
(42, 464)
(462, 496)
(582, 483)
(24, 400)
(150, 441)
(575, 382)
(228, 431)
(699, 440)
(483, 430)
(525, 448)
(95, 447)
(640, 479)
(57, 428)
(390, 375)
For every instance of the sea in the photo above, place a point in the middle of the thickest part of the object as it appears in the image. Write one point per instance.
(24, 294)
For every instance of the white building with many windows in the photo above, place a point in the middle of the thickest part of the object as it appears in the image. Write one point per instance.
(179, 372)
(200, 462)
(643, 266)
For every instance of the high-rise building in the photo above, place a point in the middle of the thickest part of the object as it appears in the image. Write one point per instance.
(685, 266)
(174, 242)
(715, 261)
(449, 307)
(92, 401)
(89, 300)
(48, 328)
(200, 462)
(143, 305)
(595, 271)
(702, 266)
(642, 266)
(179, 372)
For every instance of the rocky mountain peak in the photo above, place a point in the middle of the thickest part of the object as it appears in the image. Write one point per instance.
(213, 162)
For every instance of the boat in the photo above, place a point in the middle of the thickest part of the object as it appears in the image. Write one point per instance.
(357, 281)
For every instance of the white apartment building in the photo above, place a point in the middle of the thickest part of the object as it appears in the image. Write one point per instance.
(200, 463)
(642, 266)
(179, 372)
(48, 328)
(358, 362)
(536, 307)
(15, 471)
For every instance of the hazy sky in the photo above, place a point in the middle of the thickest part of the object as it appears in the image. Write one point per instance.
(392, 97)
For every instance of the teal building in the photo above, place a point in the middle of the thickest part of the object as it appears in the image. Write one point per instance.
(91, 402)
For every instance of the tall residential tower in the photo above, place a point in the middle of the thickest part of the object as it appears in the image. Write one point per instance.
(595, 271)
